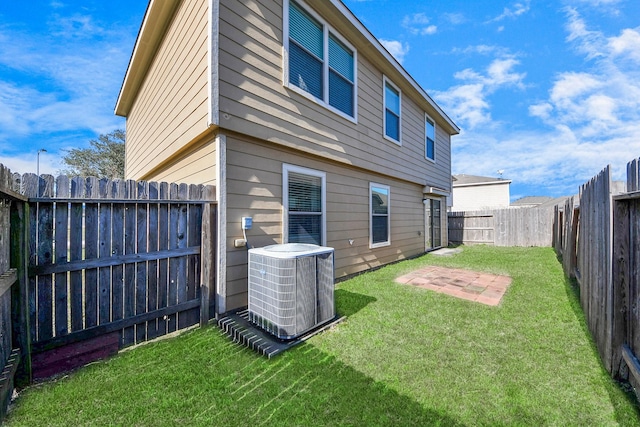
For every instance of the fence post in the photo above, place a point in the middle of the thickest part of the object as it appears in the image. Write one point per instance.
(621, 281)
(20, 291)
(208, 263)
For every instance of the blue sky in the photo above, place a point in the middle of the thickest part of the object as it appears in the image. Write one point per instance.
(547, 91)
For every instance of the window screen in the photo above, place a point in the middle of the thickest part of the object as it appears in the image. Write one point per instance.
(305, 216)
(430, 143)
(392, 112)
(331, 80)
(379, 196)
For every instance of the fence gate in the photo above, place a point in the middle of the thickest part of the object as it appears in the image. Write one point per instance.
(112, 264)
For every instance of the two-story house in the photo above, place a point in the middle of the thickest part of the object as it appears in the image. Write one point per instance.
(302, 121)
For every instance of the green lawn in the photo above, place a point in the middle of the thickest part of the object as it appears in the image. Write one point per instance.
(404, 356)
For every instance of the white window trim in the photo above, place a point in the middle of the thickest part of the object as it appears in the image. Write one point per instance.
(435, 133)
(286, 168)
(386, 81)
(388, 242)
(325, 64)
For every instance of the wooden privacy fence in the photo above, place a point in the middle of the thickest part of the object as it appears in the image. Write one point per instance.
(10, 352)
(112, 263)
(98, 265)
(600, 246)
(502, 227)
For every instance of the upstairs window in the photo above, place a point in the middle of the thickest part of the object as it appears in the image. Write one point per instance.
(392, 113)
(320, 63)
(430, 140)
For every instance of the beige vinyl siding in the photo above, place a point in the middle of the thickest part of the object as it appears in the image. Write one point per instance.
(195, 166)
(171, 106)
(254, 188)
(254, 101)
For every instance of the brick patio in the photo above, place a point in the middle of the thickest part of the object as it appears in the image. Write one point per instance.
(470, 285)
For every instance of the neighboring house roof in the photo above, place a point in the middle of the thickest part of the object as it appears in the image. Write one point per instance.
(532, 201)
(158, 16)
(470, 180)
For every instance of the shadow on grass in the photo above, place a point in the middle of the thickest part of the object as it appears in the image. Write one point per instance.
(349, 303)
(312, 387)
(614, 387)
(201, 378)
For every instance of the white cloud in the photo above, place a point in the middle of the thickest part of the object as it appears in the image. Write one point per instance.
(454, 18)
(627, 44)
(542, 110)
(590, 117)
(396, 48)
(418, 24)
(483, 49)
(28, 163)
(593, 117)
(598, 102)
(70, 86)
(468, 103)
(607, 6)
(517, 9)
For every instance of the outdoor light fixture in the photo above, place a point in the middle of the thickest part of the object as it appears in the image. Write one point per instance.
(42, 150)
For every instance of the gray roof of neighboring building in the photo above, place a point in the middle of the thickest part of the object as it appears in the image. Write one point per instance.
(464, 180)
(531, 201)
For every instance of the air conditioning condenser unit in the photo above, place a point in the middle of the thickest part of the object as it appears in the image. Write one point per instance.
(291, 288)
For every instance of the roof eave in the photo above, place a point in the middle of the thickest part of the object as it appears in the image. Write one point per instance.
(156, 18)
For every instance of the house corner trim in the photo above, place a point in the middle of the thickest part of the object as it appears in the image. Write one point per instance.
(221, 181)
(213, 55)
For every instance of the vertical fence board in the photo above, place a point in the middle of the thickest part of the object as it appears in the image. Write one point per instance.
(174, 209)
(45, 257)
(30, 187)
(193, 239)
(633, 175)
(91, 235)
(141, 267)
(183, 215)
(594, 261)
(22, 327)
(634, 278)
(104, 251)
(131, 190)
(208, 261)
(163, 264)
(76, 239)
(152, 266)
(61, 257)
(621, 279)
(117, 249)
